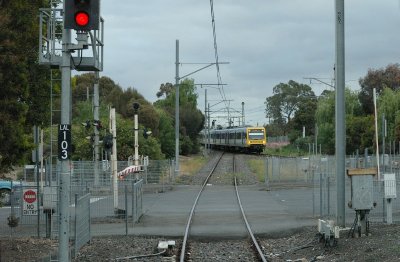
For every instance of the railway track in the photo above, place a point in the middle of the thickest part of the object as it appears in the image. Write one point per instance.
(224, 163)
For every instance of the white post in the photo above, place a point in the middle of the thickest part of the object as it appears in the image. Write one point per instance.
(114, 156)
(376, 135)
(136, 141)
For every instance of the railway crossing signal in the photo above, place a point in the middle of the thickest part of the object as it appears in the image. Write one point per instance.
(82, 15)
(108, 142)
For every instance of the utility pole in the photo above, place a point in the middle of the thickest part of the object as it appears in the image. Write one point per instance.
(340, 134)
(207, 125)
(177, 109)
(177, 79)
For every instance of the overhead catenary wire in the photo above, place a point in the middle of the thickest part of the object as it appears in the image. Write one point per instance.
(219, 78)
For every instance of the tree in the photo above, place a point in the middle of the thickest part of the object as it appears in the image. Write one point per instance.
(165, 90)
(286, 101)
(304, 117)
(166, 133)
(22, 81)
(388, 77)
(360, 133)
(359, 128)
(389, 104)
(325, 117)
(190, 118)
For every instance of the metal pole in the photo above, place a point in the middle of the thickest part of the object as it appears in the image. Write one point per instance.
(243, 114)
(126, 210)
(376, 136)
(136, 161)
(316, 138)
(114, 157)
(207, 120)
(96, 105)
(65, 171)
(209, 134)
(177, 110)
(320, 195)
(340, 134)
(37, 177)
(383, 143)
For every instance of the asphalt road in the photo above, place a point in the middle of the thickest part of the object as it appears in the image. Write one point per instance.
(166, 214)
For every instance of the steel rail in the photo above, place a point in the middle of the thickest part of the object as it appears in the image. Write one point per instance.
(184, 242)
(260, 253)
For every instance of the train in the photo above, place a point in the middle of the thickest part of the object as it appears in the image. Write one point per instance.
(236, 139)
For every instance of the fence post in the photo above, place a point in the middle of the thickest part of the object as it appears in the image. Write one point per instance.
(266, 181)
(320, 195)
(329, 193)
(126, 210)
(313, 193)
(76, 219)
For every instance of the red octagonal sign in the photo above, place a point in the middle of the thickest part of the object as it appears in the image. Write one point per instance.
(30, 196)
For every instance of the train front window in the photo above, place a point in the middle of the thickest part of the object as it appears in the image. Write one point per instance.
(256, 134)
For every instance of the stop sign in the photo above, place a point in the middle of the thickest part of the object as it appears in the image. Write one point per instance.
(29, 196)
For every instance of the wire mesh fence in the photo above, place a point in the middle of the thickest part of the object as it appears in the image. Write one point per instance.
(82, 234)
(115, 211)
(319, 173)
(107, 206)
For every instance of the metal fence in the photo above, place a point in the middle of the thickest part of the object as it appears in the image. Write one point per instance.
(137, 201)
(82, 222)
(318, 172)
(105, 206)
(116, 212)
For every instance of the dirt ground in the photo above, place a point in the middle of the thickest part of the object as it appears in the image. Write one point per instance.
(25, 249)
(383, 244)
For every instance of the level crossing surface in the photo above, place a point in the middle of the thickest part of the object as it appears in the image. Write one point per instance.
(268, 212)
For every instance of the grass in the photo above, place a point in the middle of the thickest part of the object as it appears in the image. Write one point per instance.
(192, 164)
(257, 166)
(285, 151)
(289, 170)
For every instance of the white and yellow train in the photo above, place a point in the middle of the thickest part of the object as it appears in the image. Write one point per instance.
(238, 139)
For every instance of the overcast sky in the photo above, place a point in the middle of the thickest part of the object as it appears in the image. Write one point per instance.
(266, 42)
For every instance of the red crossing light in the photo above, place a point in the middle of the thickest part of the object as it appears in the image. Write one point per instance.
(81, 18)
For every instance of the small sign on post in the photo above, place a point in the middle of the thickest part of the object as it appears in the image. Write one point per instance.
(30, 202)
(64, 142)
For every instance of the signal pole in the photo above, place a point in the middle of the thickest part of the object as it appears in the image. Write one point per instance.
(71, 14)
(64, 186)
(96, 119)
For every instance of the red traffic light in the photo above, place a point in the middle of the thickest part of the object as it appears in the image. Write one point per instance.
(81, 19)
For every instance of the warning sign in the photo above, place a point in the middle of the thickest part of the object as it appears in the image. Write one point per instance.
(30, 205)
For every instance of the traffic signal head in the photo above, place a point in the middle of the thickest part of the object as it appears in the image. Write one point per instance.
(87, 124)
(108, 142)
(82, 14)
(146, 133)
(97, 124)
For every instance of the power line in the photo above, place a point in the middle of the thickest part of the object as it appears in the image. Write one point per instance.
(219, 78)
